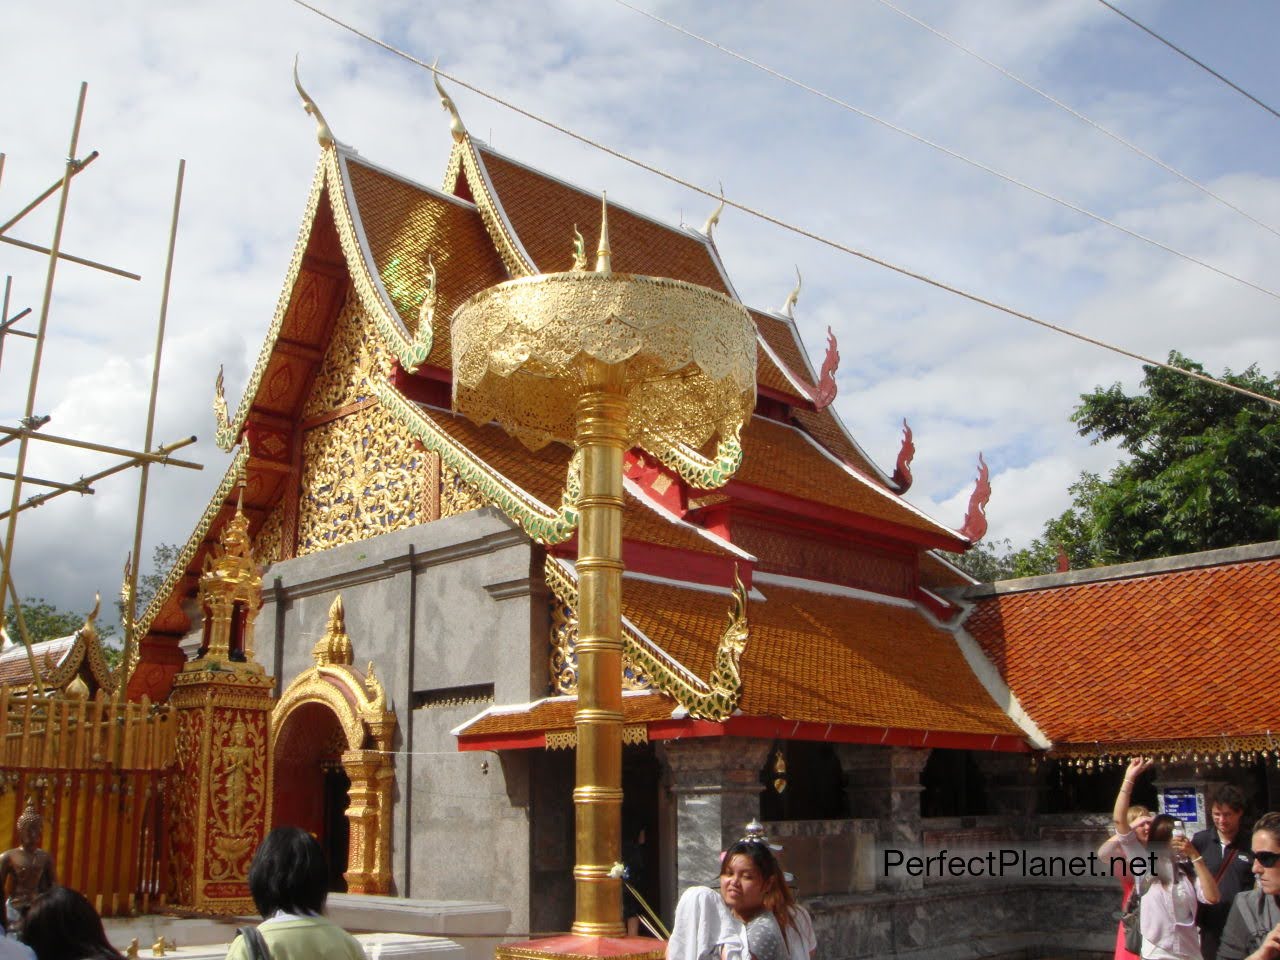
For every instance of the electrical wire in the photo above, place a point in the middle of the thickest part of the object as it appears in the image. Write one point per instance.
(1080, 116)
(1176, 49)
(777, 222)
(844, 105)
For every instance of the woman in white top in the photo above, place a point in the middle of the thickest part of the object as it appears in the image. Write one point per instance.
(1168, 911)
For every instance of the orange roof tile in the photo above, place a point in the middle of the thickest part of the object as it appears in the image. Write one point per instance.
(49, 655)
(1097, 661)
(781, 338)
(542, 474)
(825, 658)
(811, 657)
(403, 222)
(781, 458)
(543, 211)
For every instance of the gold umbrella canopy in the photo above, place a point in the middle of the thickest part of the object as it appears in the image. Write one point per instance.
(522, 349)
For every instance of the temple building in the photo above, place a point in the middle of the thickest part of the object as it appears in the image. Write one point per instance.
(798, 647)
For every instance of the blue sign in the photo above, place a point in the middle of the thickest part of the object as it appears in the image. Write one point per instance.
(1180, 802)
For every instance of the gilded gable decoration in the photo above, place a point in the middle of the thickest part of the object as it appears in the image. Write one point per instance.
(362, 476)
(537, 520)
(647, 666)
(355, 357)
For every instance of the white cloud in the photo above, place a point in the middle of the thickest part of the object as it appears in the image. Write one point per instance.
(211, 83)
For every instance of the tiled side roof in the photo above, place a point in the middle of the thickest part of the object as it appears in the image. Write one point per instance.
(823, 427)
(403, 223)
(49, 654)
(825, 658)
(780, 336)
(542, 474)
(543, 211)
(557, 714)
(1097, 661)
(781, 458)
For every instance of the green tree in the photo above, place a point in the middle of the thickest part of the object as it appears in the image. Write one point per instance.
(1202, 464)
(44, 621)
(986, 561)
(1200, 474)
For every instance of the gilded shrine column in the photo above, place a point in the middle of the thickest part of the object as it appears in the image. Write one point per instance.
(222, 791)
(715, 785)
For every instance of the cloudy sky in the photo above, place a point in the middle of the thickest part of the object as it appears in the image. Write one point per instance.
(210, 82)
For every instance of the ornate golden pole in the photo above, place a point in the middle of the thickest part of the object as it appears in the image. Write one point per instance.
(605, 361)
(597, 798)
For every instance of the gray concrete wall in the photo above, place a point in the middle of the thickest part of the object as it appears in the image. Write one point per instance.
(1022, 920)
(442, 610)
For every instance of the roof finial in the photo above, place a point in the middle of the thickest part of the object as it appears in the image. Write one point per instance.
(455, 119)
(714, 219)
(579, 251)
(323, 133)
(604, 256)
(789, 304)
(975, 518)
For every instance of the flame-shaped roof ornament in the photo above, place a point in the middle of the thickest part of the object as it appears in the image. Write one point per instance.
(789, 304)
(446, 102)
(323, 132)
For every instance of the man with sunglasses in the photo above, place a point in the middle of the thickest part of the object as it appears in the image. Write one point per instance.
(1225, 848)
(1253, 927)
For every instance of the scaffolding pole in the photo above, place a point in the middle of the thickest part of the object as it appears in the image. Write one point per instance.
(45, 302)
(130, 612)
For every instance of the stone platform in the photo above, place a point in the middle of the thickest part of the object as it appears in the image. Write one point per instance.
(387, 927)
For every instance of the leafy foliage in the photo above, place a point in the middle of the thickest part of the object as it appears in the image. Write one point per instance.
(1202, 465)
(1201, 474)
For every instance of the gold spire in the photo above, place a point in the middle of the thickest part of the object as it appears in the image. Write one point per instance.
(455, 119)
(789, 305)
(604, 256)
(323, 133)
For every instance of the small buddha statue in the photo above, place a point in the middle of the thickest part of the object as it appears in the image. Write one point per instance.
(26, 871)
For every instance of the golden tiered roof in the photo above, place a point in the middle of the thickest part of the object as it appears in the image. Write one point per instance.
(376, 243)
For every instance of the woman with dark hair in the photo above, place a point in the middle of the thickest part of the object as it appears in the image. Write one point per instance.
(1253, 926)
(62, 925)
(755, 915)
(289, 882)
(755, 890)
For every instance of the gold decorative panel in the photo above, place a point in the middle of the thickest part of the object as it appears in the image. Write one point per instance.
(363, 475)
(564, 654)
(457, 495)
(355, 353)
(267, 545)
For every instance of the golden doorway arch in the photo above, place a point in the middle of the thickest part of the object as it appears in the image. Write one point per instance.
(331, 726)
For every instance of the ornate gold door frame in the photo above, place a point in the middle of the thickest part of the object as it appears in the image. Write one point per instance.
(360, 705)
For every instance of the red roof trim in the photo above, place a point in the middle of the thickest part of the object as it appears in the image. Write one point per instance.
(776, 728)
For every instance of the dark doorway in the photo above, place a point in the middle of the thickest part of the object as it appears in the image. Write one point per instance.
(640, 848)
(337, 786)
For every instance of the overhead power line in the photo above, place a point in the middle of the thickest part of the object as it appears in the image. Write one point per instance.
(769, 218)
(948, 151)
(1177, 49)
(1081, 117)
